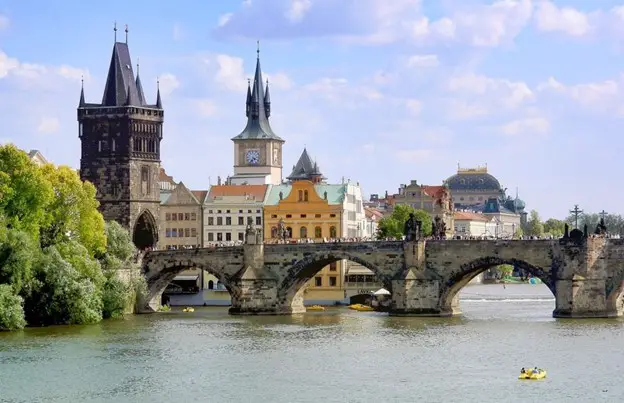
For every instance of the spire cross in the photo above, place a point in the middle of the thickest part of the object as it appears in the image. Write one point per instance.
(115, 29)
(258, 48)
(603, 214)
(576, 212)
(126, 33)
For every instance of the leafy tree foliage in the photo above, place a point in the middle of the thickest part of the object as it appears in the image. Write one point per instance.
(554, 227)
(614, 222)
(56, 266)
(393, 225)
(534, 225)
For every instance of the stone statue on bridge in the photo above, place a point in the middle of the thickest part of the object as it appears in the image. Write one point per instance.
(439, 228)
(601, 228)
(413, 228)
(282, 231)
(253, 235)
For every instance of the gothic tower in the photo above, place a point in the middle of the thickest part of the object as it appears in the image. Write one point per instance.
(120, 141)
(257, 149)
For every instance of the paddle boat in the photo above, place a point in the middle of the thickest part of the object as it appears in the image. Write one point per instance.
(532, 373)
(361, 307)
(188, 309)
(315, 308)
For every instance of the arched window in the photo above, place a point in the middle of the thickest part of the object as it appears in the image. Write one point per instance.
(303, 232)
(332, 232)
(301, 195)
(289, 230)
(211, 285)
(273, 232)
(305, 195)
(318, 232)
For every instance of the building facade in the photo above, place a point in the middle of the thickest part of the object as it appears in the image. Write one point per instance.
(257, 149)
(36, 157)
(120, 149)
(228, 209)
(469, 224)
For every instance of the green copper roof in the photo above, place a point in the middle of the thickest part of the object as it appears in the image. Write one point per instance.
(258, 110)
(335, 193)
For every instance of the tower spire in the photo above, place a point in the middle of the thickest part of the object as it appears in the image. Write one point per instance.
(158, 100)
(81, 103)
(120, 77)
(115, 30)
(139, 86)
(267, 100)
(248, 101)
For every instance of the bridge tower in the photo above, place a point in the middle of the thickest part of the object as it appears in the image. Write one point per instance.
(120, 148)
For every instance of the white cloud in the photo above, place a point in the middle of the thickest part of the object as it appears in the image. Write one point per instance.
(413, 106)
(499, 91)
(206, 108)
(48, 125)
(599, 94)
(297, 10)
(168, 83)
(4, 22)
(423, 61)
(224, 19)
(550, 18)
(7, 64)
(461, 109)
(526, 126)
(279, 80)
(231, 73)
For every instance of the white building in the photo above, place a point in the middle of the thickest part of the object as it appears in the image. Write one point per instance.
(470, 224)
(227, 211)
(371, 223)
(353, 218)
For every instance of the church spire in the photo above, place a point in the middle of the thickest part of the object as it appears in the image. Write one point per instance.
(248, 101)
(82, 102)
(267, 100)
(158, 100)
(256, 109)
(120, 79)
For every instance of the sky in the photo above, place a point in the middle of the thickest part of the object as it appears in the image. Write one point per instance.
(380, 92)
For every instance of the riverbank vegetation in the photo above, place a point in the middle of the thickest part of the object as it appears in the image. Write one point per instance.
(59, 262)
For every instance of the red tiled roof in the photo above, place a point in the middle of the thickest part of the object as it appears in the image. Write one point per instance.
(163, 177)
(469, 216)
(200, 194)
(433, 191)
(256, 191)
(371, 212)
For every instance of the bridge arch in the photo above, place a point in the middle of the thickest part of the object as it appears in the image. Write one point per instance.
(460, 278)
(290, 291)
(158, 276)
(145, 231)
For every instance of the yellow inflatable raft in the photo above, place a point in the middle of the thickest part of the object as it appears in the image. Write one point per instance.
(532, 374)
(188, 309)
(315, 308)
(360, 307)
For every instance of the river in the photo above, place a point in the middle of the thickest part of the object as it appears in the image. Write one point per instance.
(333, 356)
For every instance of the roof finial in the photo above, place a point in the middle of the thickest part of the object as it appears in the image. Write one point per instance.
(126, 33)
(249, 81)
(82, 80)
(258, 48)
(115, 29)
(137, 66)
(158, 83)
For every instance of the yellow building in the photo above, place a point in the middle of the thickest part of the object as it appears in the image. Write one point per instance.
(312, 212)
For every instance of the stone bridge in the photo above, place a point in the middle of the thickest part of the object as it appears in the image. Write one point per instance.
(586, 277)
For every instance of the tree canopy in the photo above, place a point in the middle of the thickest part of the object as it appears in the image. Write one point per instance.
(56, 266)
(393, 225)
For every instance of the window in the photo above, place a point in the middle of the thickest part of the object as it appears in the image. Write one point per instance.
(273, 215)
(333, 281)
(114, 146)
(174, 217)
(258, 211)
(249, 211)
(249, 220)
(187, 216)
(318, 232)
(168, 217)
(193, 216)
(317, 216)
(241, 220)
(333, 266)
(303, 232)
(241, 236)
(332, 215)
(332, 232)
(194, 232)
(303, 215)
(228, 236)
(240, 211)
(218, 211)
(318, 281)
(180, 232)
(145, 180)
(187, 232)
(289, 230)
(210, 237)
(288, 215)
(301, 195)
(258, 220)
(180, 216)
(168, 233)
(174, 233)
(219, 220)
(228, 220)
(210, 220)
(209, 211)
(305, 195)
(100, 145)
(273, 232)
(227, 211)
(219, 236)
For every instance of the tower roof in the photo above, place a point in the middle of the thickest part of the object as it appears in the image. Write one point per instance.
(305, 169)
(257, 111)
(120, 78)
(139, 87)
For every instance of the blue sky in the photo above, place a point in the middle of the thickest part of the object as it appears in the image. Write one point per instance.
(381, 92)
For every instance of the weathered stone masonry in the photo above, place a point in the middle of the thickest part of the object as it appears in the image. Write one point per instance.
(424, 277)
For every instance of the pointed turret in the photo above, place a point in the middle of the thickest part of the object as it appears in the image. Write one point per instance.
(132, 98)
(258, 126)
(139, 88)
(120, 78)
(82, 102)
(158, 100)
(305, 169)
(248, 101)
(267, 100)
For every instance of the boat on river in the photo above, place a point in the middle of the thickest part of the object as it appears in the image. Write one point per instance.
(361, 307)
(315, 308)
(188, 309)
(535, 373)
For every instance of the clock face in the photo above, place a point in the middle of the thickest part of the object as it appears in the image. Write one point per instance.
(252, 157)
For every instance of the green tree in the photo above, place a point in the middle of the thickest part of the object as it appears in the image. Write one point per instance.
(519, 233)
(11, 310)
(534, 225)
(73, 213)
(25, 191)
(393, 226)
(554, 227)
(17, 255)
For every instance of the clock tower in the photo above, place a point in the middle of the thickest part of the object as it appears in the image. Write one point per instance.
(257, 149)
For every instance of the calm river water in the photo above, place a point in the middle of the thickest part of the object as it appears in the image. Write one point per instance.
(333, 356)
